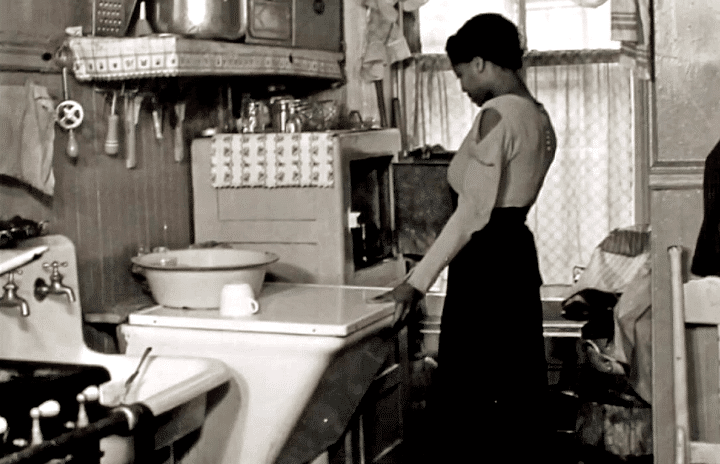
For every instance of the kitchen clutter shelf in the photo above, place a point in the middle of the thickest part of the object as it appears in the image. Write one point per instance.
(169, 55)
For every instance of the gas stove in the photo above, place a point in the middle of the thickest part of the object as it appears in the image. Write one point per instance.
(47, 401)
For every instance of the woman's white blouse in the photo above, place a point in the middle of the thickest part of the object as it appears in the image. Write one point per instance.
(506, 168)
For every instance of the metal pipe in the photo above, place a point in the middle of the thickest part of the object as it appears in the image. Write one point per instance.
(680, 393)
(121, 421)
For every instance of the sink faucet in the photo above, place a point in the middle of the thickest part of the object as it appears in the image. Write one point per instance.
(10, 299)
(55, 287)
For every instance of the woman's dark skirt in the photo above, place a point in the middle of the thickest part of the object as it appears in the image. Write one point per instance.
(490, 385)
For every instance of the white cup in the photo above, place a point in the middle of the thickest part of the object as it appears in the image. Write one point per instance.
(237, 299)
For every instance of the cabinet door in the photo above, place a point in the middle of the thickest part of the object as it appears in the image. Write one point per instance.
(385, 406)
(318, 25)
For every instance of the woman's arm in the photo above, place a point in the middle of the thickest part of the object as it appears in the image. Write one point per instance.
(448, 243)
(476, 199)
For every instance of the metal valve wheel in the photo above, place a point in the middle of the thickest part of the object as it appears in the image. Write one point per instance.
(69, 114)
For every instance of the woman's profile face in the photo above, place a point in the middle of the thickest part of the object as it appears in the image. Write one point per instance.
(472, 80)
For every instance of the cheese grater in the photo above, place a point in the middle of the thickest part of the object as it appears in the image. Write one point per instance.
(111, 17)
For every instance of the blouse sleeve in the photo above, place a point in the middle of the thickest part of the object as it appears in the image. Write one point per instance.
(476, 200)
(481, 179)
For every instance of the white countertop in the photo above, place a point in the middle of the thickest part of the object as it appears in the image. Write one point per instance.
(304, 309)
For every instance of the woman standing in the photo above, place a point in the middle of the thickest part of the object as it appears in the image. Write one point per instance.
(492, 376)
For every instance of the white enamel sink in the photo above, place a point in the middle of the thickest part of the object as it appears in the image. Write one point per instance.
(163, 382)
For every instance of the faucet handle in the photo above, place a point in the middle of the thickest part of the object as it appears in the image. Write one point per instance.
(54, 273)
(56, 285)
(10, 284)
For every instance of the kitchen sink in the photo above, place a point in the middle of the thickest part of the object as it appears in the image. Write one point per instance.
(43, 357)
(163, 383)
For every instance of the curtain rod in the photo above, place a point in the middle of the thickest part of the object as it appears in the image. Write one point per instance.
(439, 61)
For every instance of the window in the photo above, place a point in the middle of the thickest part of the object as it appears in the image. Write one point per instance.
(565, 25)
(573, 68)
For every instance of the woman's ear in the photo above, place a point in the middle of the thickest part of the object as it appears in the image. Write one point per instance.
(478, 64)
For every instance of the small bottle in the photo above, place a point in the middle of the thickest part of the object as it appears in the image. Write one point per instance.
(250, 121)
(294, 122)
(281, 108)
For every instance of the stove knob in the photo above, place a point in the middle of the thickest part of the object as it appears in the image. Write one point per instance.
(20, 442)
(35, 433)
(92, 393)
(4, 429)
(50, 408)
(82, 419)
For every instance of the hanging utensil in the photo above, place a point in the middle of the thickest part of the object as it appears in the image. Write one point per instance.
(179, 136)
(142, 26)
(132, 115)
(69, 114)
(398, 121)
(380, 95)
(230, 125)
(111, 140)
(157, 118)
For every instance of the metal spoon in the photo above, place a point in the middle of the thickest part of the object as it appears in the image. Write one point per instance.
(132, 377)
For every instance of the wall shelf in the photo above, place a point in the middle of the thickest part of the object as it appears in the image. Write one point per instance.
(165, 55)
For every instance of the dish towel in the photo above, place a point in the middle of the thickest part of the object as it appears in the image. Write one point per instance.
(27, 127)
(384, 42)
(273, 160)
(630, 25)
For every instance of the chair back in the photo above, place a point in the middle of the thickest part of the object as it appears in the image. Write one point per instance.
(696, 374)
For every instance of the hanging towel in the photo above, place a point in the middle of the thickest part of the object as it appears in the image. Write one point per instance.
(273, 160)
(384, 41)
(27, 127)
(630, 25)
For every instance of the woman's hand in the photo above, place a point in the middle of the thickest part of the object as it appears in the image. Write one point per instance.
(406, 298)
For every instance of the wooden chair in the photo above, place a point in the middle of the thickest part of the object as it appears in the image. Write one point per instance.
(696, 375)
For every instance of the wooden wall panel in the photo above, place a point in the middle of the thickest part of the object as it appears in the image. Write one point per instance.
(107, 210)
(687, 66)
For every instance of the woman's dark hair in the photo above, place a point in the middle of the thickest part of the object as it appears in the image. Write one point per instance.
(489, 36)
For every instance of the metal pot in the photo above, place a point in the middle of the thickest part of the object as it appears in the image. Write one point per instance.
(202, 19)
(194, 278)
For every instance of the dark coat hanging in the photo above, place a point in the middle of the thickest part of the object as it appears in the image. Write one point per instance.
(706, 260)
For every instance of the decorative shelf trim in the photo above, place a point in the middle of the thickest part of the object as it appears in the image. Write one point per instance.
(110, 58)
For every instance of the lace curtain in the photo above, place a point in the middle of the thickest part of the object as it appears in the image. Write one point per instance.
(590, 187)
